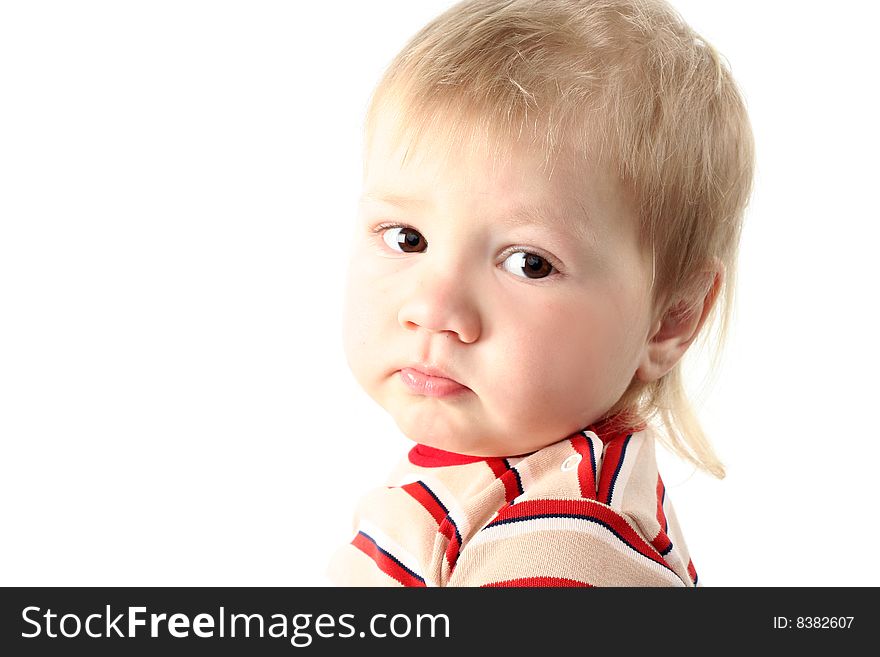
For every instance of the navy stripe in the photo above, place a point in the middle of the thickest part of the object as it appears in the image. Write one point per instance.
(665, 519)
(519, 485)
(445, 510)
(592, 459)
(391, 556)
(667, 550)
(617, 470)
(575, 516)
(662, 500)
(431, 493)
(457, 536)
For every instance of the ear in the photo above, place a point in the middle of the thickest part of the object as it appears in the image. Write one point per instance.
(673, 333)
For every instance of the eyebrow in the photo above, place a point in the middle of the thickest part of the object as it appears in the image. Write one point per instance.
(579, 224)
(527, 214)
(397, 200)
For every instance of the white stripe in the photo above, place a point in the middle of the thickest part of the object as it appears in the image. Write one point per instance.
(673, 558)
(678, 557)
(596, 445)
(526, 476)
(383, 541)
(580, 526)
(626, 468)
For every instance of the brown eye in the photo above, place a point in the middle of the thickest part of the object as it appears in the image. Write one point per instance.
(527, 265)
(407, 240)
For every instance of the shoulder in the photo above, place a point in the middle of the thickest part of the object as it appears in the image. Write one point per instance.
(588, 514)
(578, 541)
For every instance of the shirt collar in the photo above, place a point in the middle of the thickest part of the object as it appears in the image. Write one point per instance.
(432, 457)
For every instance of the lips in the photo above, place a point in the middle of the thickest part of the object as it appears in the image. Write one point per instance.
(430, 382)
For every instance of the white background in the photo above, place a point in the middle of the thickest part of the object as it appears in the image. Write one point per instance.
(177, 183)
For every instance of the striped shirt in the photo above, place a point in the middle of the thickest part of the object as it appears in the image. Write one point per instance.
(590, 510)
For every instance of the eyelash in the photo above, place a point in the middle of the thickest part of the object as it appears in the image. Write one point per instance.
(381, 228)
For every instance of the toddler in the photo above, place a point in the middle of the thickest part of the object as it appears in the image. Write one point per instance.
(553, 194)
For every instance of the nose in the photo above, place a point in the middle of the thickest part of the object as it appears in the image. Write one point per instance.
(441, 304)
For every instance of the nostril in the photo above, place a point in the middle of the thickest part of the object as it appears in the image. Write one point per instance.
(445, 313)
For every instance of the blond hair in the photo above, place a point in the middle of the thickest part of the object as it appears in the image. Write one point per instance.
(627, 83)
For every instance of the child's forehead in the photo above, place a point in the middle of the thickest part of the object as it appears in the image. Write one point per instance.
(407, 174)
(405, 164)
(435, 159)
(456, 135)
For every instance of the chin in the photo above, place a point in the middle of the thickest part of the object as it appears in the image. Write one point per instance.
(433, 433)
(452, 441)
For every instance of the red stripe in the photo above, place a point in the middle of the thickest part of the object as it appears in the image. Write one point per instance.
(385, 563)
(587, 481)
(661, 515)
(499, 466)
(446, 524)
(692, 571)
(610, 462)
(661, 542)
(423, 497)
(535, 582)
(507, 477)
(587, 509)
(454, 546)
(431, 457)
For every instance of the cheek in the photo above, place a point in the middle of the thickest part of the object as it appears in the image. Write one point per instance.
(369, 313)
(352, 331)
(538, 352)
(576, 359)
(359, 316)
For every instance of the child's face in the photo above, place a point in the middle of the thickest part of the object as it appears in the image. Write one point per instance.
(490, 310)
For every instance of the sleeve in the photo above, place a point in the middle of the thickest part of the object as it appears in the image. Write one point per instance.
(549, 542)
